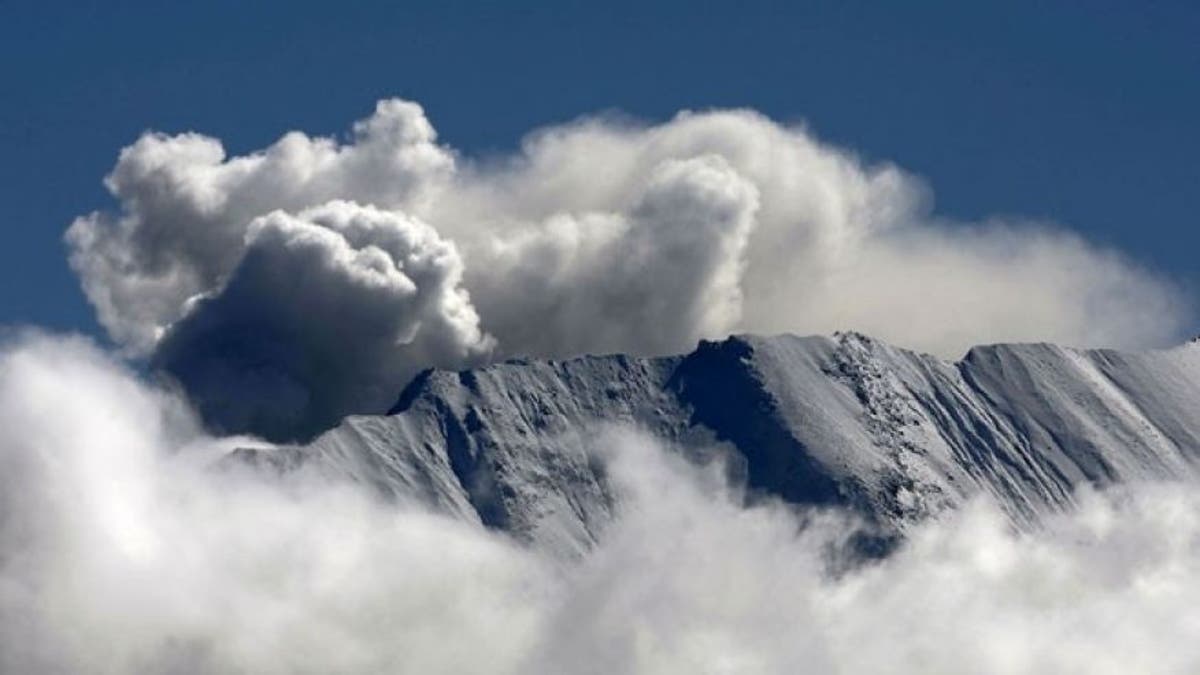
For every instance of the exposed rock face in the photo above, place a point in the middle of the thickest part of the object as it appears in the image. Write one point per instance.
(843, 420)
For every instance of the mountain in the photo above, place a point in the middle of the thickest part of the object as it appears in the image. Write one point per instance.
(844, 420)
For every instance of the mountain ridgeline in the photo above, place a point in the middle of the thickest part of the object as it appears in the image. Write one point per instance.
(830, 421)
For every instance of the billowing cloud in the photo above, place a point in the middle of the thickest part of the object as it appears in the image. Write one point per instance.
(649, 279)
(186, 208)
(836, 244)
(594, 236)
(325, 313)
(122, 549)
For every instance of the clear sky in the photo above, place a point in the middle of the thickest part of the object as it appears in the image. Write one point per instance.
(1083, 113)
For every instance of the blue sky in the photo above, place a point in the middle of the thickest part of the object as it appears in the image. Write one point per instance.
(1084, 116)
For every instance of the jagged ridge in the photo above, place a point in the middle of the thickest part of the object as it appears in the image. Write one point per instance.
(845, 420)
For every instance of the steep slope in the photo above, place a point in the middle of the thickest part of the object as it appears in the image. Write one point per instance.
(845, 420)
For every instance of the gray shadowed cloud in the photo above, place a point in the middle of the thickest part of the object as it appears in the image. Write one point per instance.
(325, 313)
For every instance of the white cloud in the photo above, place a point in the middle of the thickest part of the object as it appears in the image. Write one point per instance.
(836, 244)
(647, 280)
(121, 552)
(186, 207)
(603, 236)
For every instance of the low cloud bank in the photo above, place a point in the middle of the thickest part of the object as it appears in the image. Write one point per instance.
(123, 550)
(288, 287)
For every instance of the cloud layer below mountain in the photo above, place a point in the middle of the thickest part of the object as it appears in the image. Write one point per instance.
(290, 286)
(122, 549)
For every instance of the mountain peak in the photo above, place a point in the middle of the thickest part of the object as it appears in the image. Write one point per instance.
(822, 420)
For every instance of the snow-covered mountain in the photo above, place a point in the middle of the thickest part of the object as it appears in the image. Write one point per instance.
(843, 420)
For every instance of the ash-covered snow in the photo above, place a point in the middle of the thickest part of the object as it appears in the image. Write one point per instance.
(845, 420)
